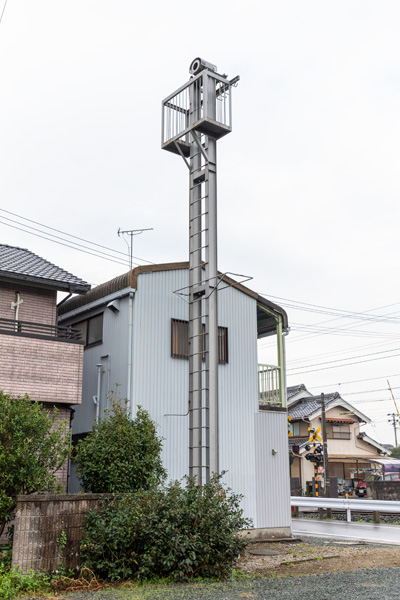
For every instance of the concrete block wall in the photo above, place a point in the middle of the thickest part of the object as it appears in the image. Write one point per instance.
(63, 414)
(383, 490)
(38, 306)
(46, 370)
(39, 522)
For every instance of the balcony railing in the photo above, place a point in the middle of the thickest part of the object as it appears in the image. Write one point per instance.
(10, 327)
(269, 393)
(203, 104)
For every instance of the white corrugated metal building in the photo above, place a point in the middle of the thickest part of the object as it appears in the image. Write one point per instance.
(131, 328)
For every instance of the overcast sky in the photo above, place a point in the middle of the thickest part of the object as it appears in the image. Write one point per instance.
(308, 181)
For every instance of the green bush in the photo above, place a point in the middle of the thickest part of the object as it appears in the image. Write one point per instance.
(120, 454)
(176, 531)
(32, 448)
(13, 582)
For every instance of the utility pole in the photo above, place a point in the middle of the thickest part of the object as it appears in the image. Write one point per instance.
(327, 481)
(394, 420)
(131, 233)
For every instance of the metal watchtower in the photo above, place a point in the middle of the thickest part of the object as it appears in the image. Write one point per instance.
(194, 117)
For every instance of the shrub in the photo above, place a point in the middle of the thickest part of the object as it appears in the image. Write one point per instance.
(120, 454)
(32, 449)
(176, 531)
(13, 582)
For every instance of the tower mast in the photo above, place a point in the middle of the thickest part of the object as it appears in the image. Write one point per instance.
(194, 117)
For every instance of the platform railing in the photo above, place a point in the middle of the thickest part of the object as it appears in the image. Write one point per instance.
(28, 328)
(269, 393)
(210, 113)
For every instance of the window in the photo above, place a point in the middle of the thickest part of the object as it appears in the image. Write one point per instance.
(338, 432)
(180, 341)
(294, 428)
(91, 330)
(179, 338)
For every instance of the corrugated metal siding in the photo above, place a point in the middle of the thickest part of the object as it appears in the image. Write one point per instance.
(160, 382)
(114, 371)
(273, 484)
(160, 385)
(238, 398)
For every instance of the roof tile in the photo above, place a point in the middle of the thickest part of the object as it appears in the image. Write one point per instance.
(23, 265)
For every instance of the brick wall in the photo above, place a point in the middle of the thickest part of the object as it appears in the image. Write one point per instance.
(46, 370)
(63, 414)
(39, 521)
(39, 306)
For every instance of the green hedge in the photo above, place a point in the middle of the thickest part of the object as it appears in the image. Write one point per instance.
(177, 531)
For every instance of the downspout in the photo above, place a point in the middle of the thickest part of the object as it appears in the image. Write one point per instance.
(281, 362)
(99, 366)
(130, 337)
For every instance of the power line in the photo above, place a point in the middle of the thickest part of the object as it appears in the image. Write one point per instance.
(66, 245)
(342, 359)
(338, 312)
(57, 237)
(354, 381)
(2, 12)
(340, 327)
(346, 364)
(333, 352)
(64, 233)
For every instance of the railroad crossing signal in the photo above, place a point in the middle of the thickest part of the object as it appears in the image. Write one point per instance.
(288, 428)
(314, 435)
(316, 457)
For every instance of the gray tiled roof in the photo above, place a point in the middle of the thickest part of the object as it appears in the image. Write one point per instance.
(20, 264)
(295, 389)
(297, 441)
(308, 406)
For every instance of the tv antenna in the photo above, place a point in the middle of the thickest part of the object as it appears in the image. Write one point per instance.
(131, 233)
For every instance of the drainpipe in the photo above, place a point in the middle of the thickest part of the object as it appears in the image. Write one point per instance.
(281, 362)
(130, 337)
(99, 366)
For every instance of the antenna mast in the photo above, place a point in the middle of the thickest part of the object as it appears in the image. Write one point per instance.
(131, 233)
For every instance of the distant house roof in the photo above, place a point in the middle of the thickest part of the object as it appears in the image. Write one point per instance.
(266, 322)
(308, 406)
(22, 265)
(381, 447)
(293, 390)
(311, 407)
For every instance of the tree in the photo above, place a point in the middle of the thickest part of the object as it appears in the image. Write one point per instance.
(119, 454)
(396, 452)
(32, 449)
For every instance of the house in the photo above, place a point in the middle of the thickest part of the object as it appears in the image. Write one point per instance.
(38, 357)
(136, 335)
(349, 449)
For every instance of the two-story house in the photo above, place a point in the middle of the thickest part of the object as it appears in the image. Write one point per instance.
(135, 329)
(349, 449)
(38, 357)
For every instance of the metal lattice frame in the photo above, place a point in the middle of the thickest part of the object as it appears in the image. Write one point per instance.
(193, 118)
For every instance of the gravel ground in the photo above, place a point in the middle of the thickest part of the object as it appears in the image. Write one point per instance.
(312, 568)
(370, 584)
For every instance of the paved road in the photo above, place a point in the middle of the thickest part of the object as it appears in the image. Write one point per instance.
(369, 532)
